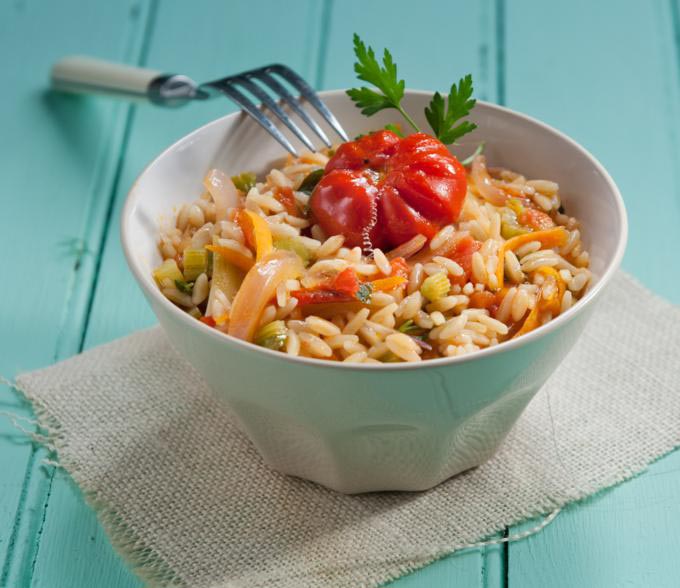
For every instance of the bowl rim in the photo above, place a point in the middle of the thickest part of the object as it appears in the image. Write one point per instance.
(611, 267)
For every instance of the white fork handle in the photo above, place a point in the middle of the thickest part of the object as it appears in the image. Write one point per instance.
(89, 75)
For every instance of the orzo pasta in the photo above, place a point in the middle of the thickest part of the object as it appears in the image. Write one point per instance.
(258, 260)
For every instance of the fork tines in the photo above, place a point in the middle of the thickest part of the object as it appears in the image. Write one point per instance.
(266, 76)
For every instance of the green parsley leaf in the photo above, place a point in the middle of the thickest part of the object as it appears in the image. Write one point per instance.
(411, 329)
(395, 129)
(369, 101)
(384, 77)
(407, 326)
(245, 181)
(364, 293)
(311, 180)
(443, 114)
(186, 287)
(443, 117)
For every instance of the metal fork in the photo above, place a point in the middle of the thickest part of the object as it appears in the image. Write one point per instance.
(88, 75)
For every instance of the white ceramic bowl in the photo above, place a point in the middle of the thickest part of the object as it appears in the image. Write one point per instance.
(358, 428)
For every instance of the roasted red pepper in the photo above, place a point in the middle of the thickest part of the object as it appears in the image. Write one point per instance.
(346, 281)
(400, 267)
(287, 199)
(320, 296)
(208, 320)
(342, 288)
(384, 189)
(536, 219)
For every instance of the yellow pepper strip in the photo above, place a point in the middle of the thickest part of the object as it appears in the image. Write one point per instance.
(530, 323)
(255, 225)
(549, 238)
(220, 320)
(387, 284)
(232, 256)
(552, 303)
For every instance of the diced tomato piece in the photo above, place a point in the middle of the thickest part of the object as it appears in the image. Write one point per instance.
(346, 281)
(287, 199)
(208, 320)
(342, 288)
(320, 296)
(462, 251)
(400, 267)
(247, 228)
(482, 299)
(536, 219)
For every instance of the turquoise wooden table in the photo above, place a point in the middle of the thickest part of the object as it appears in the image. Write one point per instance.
(607, 73)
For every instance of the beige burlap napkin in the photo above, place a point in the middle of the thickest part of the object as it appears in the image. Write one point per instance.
(188, 502)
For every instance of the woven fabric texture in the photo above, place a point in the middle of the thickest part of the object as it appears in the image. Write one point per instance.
(188, 502)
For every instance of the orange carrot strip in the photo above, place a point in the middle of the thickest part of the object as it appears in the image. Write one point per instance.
(256, 231)
(387, 284)
(551, 303)
(530, 323)
(549, 238)
(232, 256)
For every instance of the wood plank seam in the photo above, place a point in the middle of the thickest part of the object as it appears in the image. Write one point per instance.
(102, 245)
(147, 33)
(41, 526)
(500, 51)
(61, 350)
(499, 24)
(320, 78)
(324, 33)
(4, 573)
(77, 281)
(674, 10)
(602, 540)
(675, 22)
(129, 122)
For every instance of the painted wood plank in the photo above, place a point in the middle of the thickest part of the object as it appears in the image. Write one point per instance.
(443, 572)
(607, 73)
(619, 98)
(429, 56)
(441, 42)
(103, 330)
(55, 176)
(623, 537)
(74, 550)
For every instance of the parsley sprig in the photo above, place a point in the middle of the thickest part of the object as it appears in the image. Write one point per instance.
(383, 77)
(442, 118)
(443, 115)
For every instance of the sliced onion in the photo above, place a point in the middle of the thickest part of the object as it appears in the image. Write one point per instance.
(409, 248)
(483, 182)
(223, 192)
(258, 288)
(422, 344)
